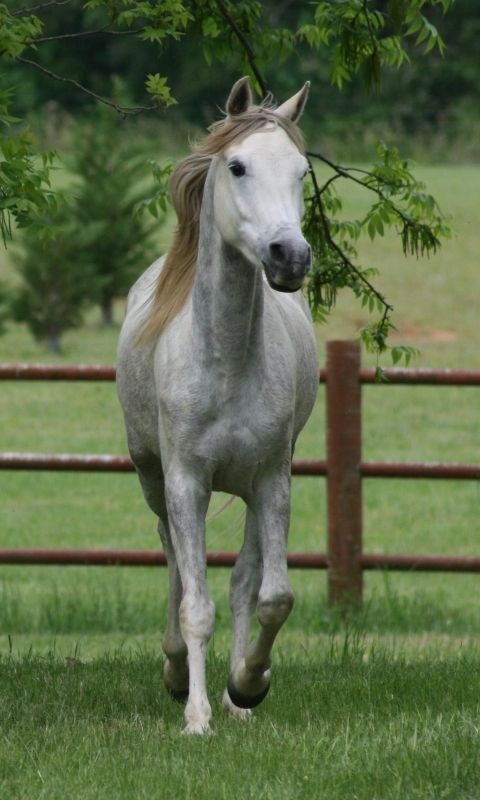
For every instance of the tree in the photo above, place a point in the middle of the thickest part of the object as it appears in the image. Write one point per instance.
(357, 36)
(56, 285)
(107, 175)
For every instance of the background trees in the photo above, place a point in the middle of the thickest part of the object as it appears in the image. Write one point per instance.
(69, 52)
(117, 242)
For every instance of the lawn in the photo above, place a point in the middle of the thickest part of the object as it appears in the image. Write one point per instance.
(385, 708)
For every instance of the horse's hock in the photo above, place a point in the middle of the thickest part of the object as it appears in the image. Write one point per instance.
(344, 470)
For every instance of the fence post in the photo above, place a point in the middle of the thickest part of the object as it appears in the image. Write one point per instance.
(344, 480)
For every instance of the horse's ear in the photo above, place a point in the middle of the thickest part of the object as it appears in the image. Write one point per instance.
(292, 109)
(240, 98)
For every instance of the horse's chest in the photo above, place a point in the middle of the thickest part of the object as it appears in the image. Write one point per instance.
(234, 452)
(234, 435)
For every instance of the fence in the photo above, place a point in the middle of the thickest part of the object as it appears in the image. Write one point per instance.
(344, 470)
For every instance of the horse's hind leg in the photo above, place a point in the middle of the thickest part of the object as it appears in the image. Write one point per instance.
(175, 671)
(244, 588)
(250, 676)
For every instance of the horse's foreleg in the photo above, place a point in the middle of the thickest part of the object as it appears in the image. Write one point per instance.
(250, 677)
(187, 504)
(244, 588)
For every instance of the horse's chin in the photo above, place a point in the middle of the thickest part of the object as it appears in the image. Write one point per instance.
(279, 287)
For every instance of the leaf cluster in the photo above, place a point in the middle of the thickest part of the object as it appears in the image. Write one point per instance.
(26, 196)
(365, 36)
(401, 203)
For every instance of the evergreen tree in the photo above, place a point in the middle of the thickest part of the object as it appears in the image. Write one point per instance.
(119, 242)
(57, 287)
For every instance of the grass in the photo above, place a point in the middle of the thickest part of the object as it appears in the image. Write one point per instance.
(363, 724)
(385, 707)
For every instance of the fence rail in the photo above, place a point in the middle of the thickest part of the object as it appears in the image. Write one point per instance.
(343, 468)
(65, 462)
(100, 372)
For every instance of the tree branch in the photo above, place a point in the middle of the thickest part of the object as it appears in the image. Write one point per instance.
(40, 7)
(120, 109)
(332, 243)
(103, 30)
(246, 46)
(341, 172)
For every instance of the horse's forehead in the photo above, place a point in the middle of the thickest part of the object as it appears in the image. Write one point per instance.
(267, 143)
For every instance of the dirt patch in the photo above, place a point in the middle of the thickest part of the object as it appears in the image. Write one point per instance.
(412, 333)
(433, 335)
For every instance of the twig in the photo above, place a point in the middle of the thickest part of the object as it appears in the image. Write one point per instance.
(40, 7)
(332, 243)
(346, 174)
(103, 30)
(121, 110)
(246, 46)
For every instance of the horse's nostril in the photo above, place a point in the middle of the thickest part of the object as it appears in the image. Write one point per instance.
(277, 252)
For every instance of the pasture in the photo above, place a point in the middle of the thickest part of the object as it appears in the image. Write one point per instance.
(384, 707)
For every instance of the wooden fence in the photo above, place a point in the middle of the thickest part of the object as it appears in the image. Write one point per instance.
(343, 468)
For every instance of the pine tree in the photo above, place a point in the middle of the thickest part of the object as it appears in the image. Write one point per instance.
(119, 247)
(57, 286)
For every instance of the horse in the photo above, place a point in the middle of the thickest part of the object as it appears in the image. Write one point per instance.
(217, 374)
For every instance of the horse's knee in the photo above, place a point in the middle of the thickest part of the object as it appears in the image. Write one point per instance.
(197, 617)
(273, 610)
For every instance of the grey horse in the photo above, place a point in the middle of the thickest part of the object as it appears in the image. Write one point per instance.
(217, 375)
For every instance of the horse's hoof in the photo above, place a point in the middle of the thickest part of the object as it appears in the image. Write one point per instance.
(244, 700)
(179, 695)
(243, 714)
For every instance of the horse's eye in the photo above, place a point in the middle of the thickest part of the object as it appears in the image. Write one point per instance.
(237, 169)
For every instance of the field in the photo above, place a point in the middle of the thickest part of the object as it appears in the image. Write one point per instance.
(386, 705)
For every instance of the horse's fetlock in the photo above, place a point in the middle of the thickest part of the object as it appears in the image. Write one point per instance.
(174, 648)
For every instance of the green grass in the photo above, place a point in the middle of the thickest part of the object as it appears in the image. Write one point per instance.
(386, 707)
(362, 724)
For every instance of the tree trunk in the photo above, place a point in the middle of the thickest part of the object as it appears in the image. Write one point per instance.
(53, 342)
(107, 311)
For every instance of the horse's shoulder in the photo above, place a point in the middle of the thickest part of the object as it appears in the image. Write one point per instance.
(144, 285)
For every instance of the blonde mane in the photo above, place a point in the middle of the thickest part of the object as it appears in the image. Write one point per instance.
(176, 280)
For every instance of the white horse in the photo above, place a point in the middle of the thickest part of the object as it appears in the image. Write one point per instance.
(217, 375)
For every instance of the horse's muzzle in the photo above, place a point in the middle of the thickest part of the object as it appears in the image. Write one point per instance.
(286, 263)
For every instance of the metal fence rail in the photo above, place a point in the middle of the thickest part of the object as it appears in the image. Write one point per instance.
(343, 468)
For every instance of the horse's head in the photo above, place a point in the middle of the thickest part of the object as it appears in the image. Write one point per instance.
(259, 192)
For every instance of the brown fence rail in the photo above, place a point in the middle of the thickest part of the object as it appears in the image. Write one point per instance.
(343, 468)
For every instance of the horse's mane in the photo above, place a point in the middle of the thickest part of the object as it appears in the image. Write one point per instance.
(175, 282)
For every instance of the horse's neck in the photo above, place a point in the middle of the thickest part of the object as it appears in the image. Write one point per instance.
(227, 308)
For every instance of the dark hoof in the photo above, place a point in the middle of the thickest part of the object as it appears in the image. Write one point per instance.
(179, 695)
(244, 700)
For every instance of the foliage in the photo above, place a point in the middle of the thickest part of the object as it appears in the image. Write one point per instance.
(107, 174)
(402, 202)
(357, 36)
(56, 286)
(25, 191)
